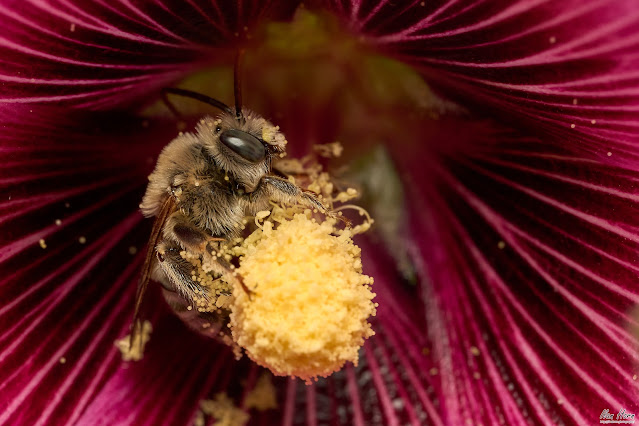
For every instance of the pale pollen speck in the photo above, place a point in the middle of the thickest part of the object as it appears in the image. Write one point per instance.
(58, 222)
(133, 250)
(63, 360)
(501, 245)
(634, 377)
(474, 350)
(72, 27)
(553, 40)
(572, 126)
(609, 154)
(189, 307)
(43, 244)
(82, 240)
(575, 101)
(560, 401)
(476, 375)
(593, 121)
(433, 371)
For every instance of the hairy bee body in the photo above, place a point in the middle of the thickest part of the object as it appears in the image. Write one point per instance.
(203, 186)
(208, 184)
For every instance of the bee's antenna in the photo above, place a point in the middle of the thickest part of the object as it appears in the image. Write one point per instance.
(193, 95)
(237, 85)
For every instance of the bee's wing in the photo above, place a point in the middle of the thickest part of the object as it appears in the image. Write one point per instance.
(167, 208)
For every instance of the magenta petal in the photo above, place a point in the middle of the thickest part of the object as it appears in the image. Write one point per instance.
(528, 259)
(70, 182)
(166, 386)
(102, 54)
(569, 69)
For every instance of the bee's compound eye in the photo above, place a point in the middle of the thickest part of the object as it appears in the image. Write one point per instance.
(245, 145)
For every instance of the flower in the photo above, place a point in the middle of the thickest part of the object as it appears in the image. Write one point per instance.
(515, 296)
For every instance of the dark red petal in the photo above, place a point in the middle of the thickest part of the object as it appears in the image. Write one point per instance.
(72, 180)
(102, 54)
(569, 69)
(527, 255)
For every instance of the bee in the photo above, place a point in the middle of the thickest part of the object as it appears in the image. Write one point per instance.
(203, 186)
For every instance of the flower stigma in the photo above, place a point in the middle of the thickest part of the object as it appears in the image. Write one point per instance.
(308, 310)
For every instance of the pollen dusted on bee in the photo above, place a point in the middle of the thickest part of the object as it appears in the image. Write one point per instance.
(273, 134)
(217, 291)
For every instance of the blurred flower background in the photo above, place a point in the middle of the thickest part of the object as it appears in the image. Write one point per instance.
(497, 146)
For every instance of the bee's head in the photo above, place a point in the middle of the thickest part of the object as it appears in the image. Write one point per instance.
(243, 148)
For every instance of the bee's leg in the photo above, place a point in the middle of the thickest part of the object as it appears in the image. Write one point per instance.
(283, 190)
(180, 229)
(179, 290)
(222, 267)
(174, 272)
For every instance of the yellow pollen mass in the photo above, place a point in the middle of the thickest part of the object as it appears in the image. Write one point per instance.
(135, 351)
(310, 302)
(263, 396)
(222, 409)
